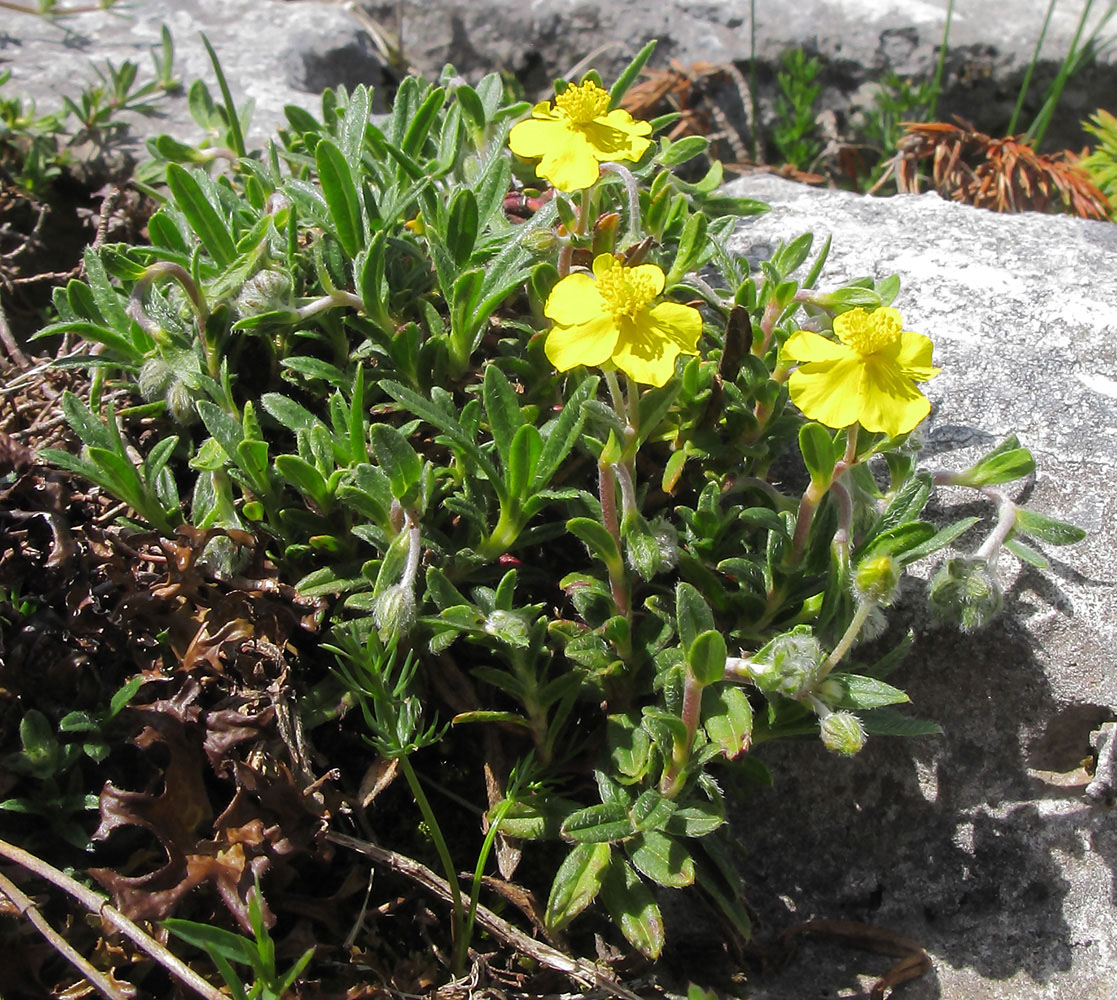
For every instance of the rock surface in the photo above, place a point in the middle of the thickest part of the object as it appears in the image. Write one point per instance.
(278, 53)
(979, 844)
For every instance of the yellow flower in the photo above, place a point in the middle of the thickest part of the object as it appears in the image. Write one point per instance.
(610, 317)
(578, 133)
(868, 378)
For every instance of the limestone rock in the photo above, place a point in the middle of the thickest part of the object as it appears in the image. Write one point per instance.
(978, 844)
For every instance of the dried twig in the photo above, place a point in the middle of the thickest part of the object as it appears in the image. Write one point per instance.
(9, 342)
(576, 968)
(28, 908)
(98, 904)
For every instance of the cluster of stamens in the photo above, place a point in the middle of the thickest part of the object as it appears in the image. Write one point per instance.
(582, 103)
(868, 332)
(625, 291)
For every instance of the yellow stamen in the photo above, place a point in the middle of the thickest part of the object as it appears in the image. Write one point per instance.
(867, 333)
(582, 103)
(625, 291)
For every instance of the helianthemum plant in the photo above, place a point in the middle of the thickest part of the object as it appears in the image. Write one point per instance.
(524, 439)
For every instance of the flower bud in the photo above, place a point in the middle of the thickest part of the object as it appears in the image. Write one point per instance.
(877, 580)
(155, 376)
(180, 403)
(965, 592)
(540, 242)
(842, 733)
(265, 291)
(394, 611)
(788, 664)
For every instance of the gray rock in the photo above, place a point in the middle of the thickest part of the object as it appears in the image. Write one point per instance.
(980, 845)
(272, 54)
(278, 53)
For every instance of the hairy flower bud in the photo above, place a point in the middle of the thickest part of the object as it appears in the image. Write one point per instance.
(842, 733)
(788, 665)
(180, 403)
(265, 291)
(155, 376)
(394, 611)
(877, 580)
(965, 592)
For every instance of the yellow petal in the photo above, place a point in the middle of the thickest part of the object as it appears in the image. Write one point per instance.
(617, 136)
(913, 354)
(647, 347)
(535, 136)
(678, 323)
(569, 163)
(890, 402)
(589, 343)
(603, 263)
(806, 346)
(651, 273)
(829, 391)
(574, 300)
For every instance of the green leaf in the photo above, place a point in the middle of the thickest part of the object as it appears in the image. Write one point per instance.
(629, 74)
(502, 409)
(692, 245)
(692, 614)
(399, 460)
(602, 823)
(422, 121)
(1004, 463)
(342, 199)
(305, 478)
(705, 657)
(201, 215)
(597, 539)
(633, 908)
(213, 940)
(577, 883)
(1047, 529)
(858, 691)
(1026, 553)
(940, 539)
(697, 819)
(523, 457)
(651, 810)
(662, 859)
(817, 447)
(897, 541)
(673, 153)
(727, 718)
(561, 437)
(461, 226)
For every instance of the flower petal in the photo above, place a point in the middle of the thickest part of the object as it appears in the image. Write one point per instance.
(829, 391)
(568, 160)
(678, 323)
(535, 136)
(806, 346)
(574, 300)
(648, 346)
(913, 355)
(589, 343)
(890, 402)
(617, 136)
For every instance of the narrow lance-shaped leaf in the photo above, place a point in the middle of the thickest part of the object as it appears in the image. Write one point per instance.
(201, 215)
(342, 198)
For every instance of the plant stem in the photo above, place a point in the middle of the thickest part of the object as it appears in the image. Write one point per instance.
(936, 85)
(845, 643)
(457, 912)
(607, 493)
(1031, 69)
